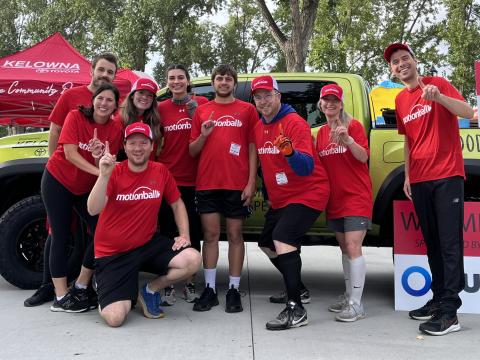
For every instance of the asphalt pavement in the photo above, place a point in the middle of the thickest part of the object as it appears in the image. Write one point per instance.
(37, 333)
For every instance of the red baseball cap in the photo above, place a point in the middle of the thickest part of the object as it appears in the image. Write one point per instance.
(332, 89)
(387, 54)
(138, 128)
(145, 84)
(265, 82)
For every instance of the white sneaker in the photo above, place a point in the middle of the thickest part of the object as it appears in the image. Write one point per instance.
(189, 293)
(169, 298)
(351, 312)
(339, 304)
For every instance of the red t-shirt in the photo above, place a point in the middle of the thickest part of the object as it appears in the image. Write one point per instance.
(283, 185)
(118, 117)
(78, 130)
(176, 125)
(129, 218)
(68, 101)
(432, 133)
(350, 183)
(223, 161)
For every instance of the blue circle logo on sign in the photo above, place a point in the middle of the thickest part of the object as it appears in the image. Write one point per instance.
(421, 271)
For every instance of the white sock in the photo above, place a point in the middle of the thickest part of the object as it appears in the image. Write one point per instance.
(210, 277)
(149, 291)
(80, 286)
(358, 270)
(60, 297)
(235, 281)
(346, 275)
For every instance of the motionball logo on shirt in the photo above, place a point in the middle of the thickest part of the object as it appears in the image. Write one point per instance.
(182, 124)
(413, 278)
(227, 121)
(332, 149)
(140, 193)
(416, 112)
(268, 148)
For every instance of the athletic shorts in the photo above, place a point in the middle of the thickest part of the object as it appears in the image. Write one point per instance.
(350, 223)
(226, 202)
(287, 225)
(117, 275)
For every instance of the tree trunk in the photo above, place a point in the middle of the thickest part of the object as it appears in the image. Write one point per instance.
(295, 47)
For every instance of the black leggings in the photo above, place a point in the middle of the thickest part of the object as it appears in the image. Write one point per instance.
(166, 220)
(59, 203)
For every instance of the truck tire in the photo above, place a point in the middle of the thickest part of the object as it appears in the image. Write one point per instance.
(22, 240)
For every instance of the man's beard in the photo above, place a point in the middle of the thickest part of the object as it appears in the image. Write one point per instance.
(100, 81)
(223, 95)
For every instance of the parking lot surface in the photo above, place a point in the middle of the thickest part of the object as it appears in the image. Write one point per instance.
(37, 333)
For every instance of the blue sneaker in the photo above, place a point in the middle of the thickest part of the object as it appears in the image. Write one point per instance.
(150, 303)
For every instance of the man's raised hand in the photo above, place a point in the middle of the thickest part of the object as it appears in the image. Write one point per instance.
(283, 143)
(430, 92)
(207, 126)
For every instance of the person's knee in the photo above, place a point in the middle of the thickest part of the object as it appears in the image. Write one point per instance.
(235, 237)
(114, 318)
(353, 249)
(115, 314)
(194, 260)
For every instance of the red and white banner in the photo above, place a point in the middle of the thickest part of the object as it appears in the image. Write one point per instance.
(412, 273)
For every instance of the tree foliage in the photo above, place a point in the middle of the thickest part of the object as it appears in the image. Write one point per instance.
(353, 34)
(280, 35)
(461, 31)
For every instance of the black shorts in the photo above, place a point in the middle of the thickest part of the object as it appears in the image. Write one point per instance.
(229, 203)
(117, 275)
(287, 225)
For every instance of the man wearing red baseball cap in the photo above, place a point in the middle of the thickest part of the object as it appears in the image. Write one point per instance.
(128, 196)
(427, 111)
(289, 166)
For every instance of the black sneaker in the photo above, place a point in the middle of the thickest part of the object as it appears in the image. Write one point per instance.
(206, 300)
(233, 301)
(282, 297)
(425, 312)
(45, 293)
(74, 301)
(291, 317)
(440, 324)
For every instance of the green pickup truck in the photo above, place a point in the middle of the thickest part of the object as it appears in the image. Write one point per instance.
(23, 157)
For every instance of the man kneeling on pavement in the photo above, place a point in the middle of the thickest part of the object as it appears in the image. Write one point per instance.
(128, 196)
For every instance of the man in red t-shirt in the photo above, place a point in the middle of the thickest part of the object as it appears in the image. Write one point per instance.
(128, 196)
(104, 68)
(427, 111)
(298, 191)
(225, 183)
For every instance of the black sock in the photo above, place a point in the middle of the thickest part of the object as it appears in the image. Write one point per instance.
(275, 263)
(290, 265)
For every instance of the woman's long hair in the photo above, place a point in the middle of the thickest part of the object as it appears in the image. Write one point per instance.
(88, 111)
(150, 116)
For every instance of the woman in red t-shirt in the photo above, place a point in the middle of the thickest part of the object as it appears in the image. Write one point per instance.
(343, 149)
(141, 106)
(176, 116)
(67, 180)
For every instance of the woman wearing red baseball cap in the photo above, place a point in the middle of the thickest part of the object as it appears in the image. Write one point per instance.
(343, 149)
(141, 106)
